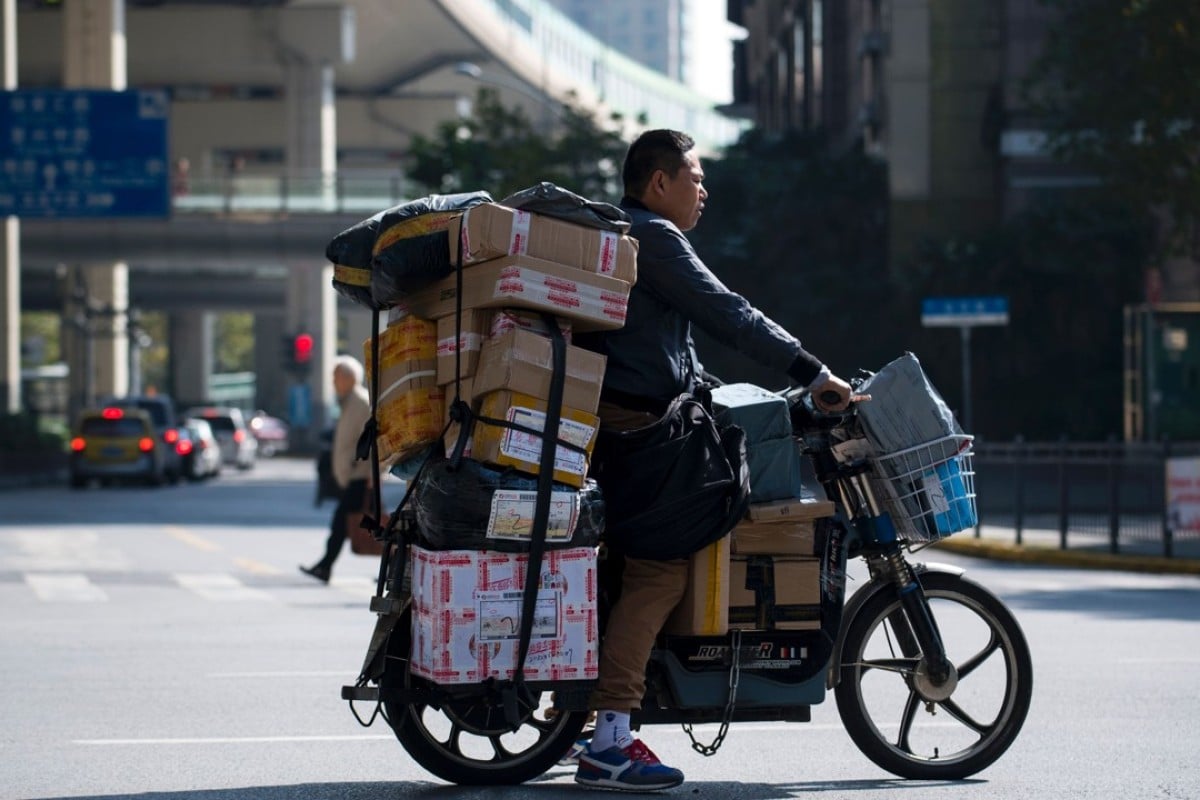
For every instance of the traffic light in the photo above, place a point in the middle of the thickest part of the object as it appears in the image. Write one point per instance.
(302, 349)
(298, 352)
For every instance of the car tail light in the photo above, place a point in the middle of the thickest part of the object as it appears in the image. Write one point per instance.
(78, 444)
(112, 413)
(183, 446)
(239, 436)
(170, 436)
(145, 444)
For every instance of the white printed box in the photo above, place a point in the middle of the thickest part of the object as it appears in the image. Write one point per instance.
(467, 612)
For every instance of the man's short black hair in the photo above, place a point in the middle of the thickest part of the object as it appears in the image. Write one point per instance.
(654, 150)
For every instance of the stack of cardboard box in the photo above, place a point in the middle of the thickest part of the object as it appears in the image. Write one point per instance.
(491, 348)
(765, 575)
(517, 267)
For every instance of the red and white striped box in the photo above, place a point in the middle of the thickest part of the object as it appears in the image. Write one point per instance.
(466, 615)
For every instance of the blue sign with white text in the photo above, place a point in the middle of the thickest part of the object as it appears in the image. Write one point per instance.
(969, 311)
(84, 153)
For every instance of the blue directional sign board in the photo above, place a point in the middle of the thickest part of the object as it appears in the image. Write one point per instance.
(84, 153)
(964, 311)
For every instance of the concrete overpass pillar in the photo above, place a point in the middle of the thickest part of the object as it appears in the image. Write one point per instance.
(94, 58)
(10, 239)
(191, 347)
(270, 378)
(312, 40)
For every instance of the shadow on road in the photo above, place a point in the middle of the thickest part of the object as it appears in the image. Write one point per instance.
(1167, 603)
(422, 790)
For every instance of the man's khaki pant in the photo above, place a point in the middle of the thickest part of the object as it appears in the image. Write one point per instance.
(650, 590)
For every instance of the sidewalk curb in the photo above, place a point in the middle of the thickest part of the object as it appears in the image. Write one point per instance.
(1033, 554)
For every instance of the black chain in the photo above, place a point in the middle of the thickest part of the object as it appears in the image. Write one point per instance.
(735, 672)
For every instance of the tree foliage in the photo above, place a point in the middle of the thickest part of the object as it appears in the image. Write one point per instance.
(801, 233)
(502, 150)
(1118, 85)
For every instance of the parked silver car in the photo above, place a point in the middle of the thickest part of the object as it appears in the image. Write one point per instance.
(238, 445)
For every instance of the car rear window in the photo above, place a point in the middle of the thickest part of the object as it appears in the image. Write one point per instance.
(113, 427)
(221, 424)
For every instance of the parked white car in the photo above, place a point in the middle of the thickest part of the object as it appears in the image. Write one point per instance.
(238, 445)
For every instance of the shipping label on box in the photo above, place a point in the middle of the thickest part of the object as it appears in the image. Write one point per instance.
(490, 231)
(466, 615)
(499, 615)
(472, 330)
(523, 362)
(504, 446)
(512, 515)
(591, 302)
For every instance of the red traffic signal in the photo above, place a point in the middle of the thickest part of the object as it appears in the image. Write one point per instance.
(302, 348)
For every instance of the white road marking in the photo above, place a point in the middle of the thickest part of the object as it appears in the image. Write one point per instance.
(220, 587)
(74, 548)
(363, 587)
(65, 588)
(280, 674)
(236, 740)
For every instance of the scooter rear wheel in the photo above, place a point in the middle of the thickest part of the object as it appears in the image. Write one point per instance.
(468, 742)
(888, 702)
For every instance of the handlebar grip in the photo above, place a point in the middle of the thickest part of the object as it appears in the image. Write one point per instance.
(830, 397)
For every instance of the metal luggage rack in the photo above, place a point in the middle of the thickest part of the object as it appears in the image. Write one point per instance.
(929, 489)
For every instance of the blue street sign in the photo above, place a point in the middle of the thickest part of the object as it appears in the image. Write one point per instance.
(300, 405)
(964, 311)
(84, 153)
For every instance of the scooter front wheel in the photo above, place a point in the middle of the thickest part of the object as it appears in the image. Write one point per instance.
(913, 725)
(468, 742)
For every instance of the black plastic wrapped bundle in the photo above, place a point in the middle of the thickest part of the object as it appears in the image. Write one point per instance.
(554, 201)
(350, 253)
(477, 507)
(412, 247)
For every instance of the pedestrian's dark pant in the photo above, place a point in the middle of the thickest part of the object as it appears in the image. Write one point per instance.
(352, 501)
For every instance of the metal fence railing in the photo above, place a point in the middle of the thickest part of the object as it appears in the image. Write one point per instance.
(1108, 495)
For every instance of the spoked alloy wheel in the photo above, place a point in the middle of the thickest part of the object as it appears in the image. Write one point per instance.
(909, 724)
(468, 742)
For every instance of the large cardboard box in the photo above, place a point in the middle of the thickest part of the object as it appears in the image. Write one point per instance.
(408, 339)
(523, 362)
(774, 538)
(502, 446)
(472, 332)
(491, 230)
(704, 609)
(590, 301)
(794, 509)
(409, 421)
(774, 592)
(467, 615)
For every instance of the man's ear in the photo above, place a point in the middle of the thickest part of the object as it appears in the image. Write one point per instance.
(658, 182)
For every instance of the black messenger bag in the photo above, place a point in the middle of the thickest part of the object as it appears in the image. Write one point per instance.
(674, 486)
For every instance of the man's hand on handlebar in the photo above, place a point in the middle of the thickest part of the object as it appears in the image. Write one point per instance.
(835, 395)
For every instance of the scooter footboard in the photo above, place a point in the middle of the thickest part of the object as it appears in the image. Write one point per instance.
(774, 668)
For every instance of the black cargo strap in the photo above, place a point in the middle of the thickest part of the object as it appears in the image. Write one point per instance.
(513, 695)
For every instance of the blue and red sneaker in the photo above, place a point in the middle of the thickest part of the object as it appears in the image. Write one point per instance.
(632, 768)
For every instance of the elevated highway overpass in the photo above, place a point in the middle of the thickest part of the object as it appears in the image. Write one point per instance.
(297, 91)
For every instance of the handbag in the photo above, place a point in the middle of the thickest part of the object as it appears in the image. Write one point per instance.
(362, 540)
(675, 486)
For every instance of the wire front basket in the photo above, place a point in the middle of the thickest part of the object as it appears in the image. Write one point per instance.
(929, 489)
